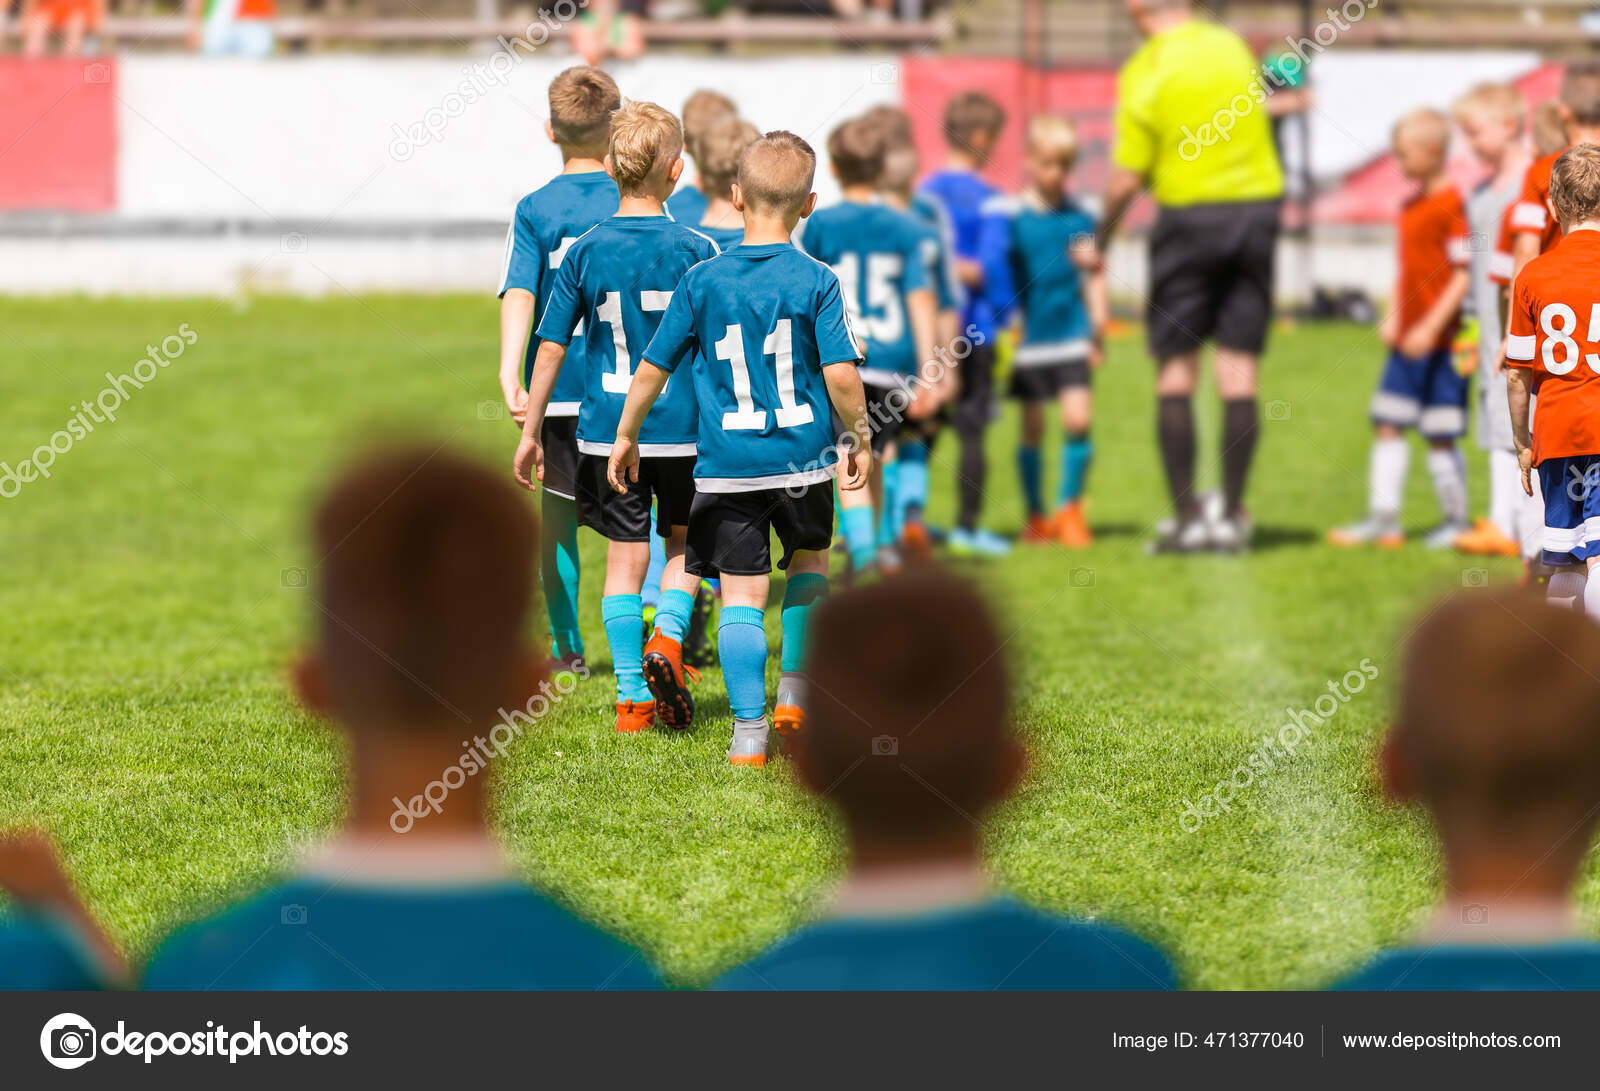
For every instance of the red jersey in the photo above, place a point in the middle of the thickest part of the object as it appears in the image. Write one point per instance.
(1434, 243)
(1555, 332)
(1530, 213)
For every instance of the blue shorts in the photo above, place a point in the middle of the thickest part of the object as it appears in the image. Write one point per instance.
(1571, 488)
(1426, 393)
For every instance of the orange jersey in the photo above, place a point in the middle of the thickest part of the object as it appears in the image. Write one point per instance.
(1434, 243)
(1530, 213)
(1555, 332)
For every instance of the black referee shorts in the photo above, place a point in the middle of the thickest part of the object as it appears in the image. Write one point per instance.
(1211, 277)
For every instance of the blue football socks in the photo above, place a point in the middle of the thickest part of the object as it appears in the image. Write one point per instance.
(624, 619)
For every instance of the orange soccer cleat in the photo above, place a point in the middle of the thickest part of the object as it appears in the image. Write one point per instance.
(635, 716)
(788, 720)
(664, 673)
(1367, 533)
(915, 545)
(1072, 529)
(1041, 529)
(1485, 540)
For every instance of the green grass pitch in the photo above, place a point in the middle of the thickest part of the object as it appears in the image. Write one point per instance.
(150, 601)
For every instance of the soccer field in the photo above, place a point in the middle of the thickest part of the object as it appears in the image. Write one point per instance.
(153, 593)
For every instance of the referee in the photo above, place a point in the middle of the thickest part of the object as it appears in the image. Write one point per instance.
(1194, 125)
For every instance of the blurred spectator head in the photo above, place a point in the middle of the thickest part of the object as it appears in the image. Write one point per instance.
(422, 595)
(645, 154)
(1498, 732)
(972, 124)
(775, 176)
(921, 745)
(701, 110)
(857, 149)
(721, 148)
(1052, 149)
(582, 100)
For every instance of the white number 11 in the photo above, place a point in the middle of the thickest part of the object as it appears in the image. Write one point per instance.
(780, 346)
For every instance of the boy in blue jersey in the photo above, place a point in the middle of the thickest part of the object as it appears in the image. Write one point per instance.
(765, 334)
(1496, 738)
(701, 110)
(547, 221)
(914, 753)
(720, 151)
(906, 482)
(616, 281)
(972, 125)
(1057, 282)
(885, 273)
(421, 645)
(50, 941)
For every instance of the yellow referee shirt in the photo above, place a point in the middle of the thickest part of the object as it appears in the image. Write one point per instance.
(1191, 117)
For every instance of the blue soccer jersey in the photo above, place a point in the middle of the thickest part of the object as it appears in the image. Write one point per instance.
(726, 238)
(931, 215)
(39, 952)
(880, 256)
(999, 944)
(547, 221)
(1042, 279)
(688, 205)
(617, 280)
(1573, 964)
(968, 203)
(331, 933)
(758, 324)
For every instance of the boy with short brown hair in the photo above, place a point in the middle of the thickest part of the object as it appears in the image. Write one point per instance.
(420, 646)
(914, 754)
(1497, 737)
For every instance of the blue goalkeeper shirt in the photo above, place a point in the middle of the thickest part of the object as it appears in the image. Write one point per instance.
(617, 280)
(757, 325)
(968, 203)
(547, 221)
(998, 944)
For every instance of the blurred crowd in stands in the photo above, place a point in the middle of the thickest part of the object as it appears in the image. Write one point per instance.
(599, 29)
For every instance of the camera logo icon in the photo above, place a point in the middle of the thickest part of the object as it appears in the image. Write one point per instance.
(294, 579)
(1277, 411)
(490, 409)
(885, 746)
(1474, 913)
(97, 72)
(294, 242)
(68, 1041)
(1082, 577)
(292, 914)
(884, 72)
(1474, 577)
